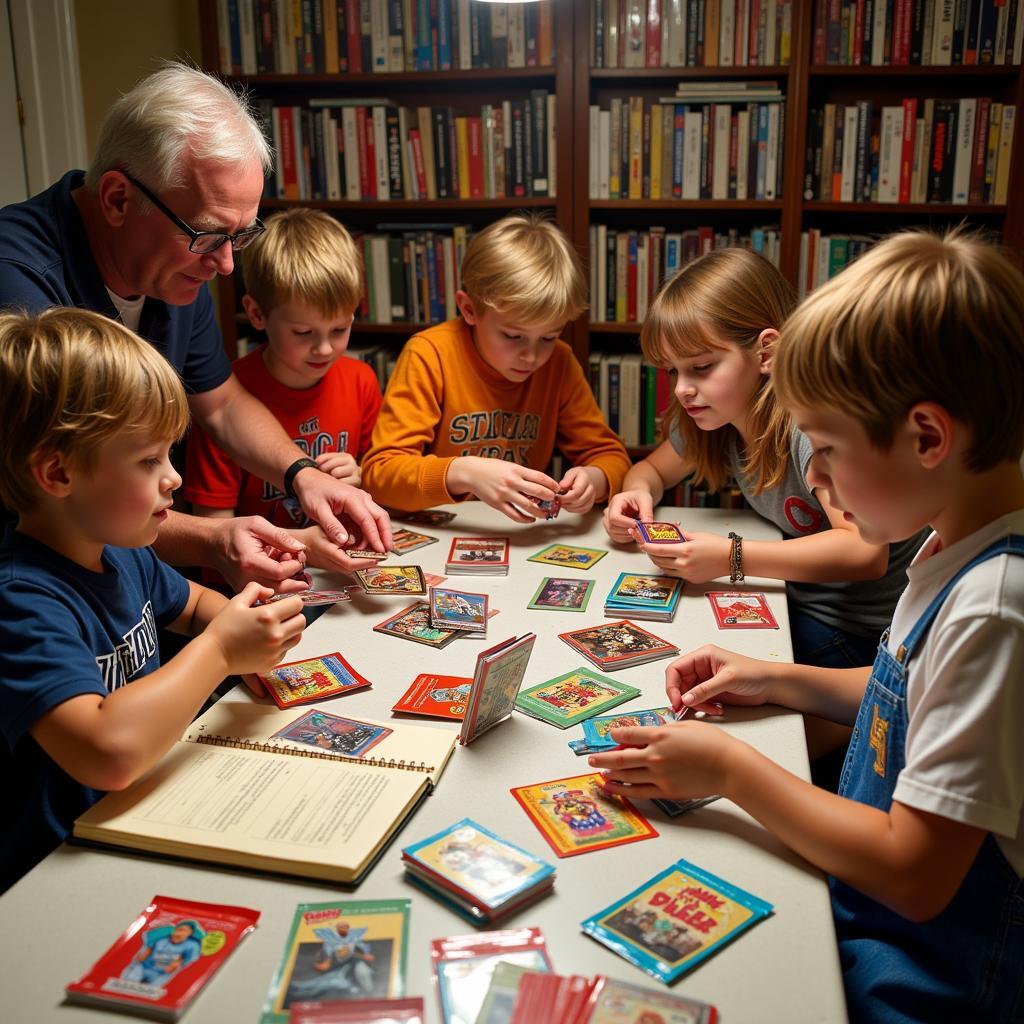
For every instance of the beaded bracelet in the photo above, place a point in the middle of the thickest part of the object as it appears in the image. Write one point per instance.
(736, 559)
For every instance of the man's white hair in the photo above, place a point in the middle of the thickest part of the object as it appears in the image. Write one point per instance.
(174, 113)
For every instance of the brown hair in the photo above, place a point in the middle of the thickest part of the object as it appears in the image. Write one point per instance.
(306, 256)
(71, 380)
(523, 266)
(921, 317)
(726, 296)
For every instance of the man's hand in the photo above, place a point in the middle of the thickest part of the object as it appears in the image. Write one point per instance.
(249, 549)
(342, 511)
(323, 553)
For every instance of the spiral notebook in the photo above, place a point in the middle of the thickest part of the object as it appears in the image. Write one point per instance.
(255, 787)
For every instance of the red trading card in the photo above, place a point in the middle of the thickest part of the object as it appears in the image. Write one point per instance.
(436, 696)
(741, 610)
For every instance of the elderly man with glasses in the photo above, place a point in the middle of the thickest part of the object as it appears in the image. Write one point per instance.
(171, 194)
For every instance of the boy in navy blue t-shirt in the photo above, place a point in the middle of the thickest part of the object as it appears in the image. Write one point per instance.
(91, 413)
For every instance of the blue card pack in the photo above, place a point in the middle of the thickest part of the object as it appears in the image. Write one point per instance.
(676, 920)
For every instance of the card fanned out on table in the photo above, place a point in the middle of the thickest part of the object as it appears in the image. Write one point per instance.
(478, 874)
(400, 580)
(464, 965)
(340, 950)
(574, 696)
(675, 920)
(561, 595)
(404, 541)
(165, 958)
(312, 598)
(436, 696)
(495, 687)
(313, 679)
(413, 623)
(576, 815)
(616, 645)
(478, 556)
(568, 556)
(644, 596)
(741, 609)
(408, 1010)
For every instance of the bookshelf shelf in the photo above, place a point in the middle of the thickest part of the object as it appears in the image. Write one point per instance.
(905, 71)
(696, 74)
(417, 205)
(392, 78)
(906, 209)
(686, 204)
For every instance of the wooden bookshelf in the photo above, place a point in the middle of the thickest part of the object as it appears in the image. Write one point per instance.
(577, 85)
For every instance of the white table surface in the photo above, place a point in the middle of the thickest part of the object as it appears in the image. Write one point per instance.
(57, 920)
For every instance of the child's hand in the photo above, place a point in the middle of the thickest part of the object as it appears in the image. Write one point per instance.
(341, 466)
(678, 762)
(254, 638)
(708, 672)
(323, 553)
(581, 487)
(703, 557)
(502, 485)
(623, 510)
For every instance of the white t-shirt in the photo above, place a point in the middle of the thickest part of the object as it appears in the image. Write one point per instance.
(129, 309)
(965, 691)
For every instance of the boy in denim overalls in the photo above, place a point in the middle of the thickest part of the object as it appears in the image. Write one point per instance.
(907, 373)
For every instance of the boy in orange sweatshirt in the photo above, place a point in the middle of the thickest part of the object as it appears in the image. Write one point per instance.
(476, 406)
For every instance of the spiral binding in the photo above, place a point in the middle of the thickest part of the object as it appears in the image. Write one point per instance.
(323, 755)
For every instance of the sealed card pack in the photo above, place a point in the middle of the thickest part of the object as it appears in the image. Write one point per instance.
(436, 696)
(741, 610)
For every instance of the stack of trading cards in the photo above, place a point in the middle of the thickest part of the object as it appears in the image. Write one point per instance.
(478, 556)
(618, 645)
(644, 596)
(413, 623)
(460, 610)
(495, 687)
(476, 873)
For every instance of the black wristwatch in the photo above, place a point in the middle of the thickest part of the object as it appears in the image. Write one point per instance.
(291, 472)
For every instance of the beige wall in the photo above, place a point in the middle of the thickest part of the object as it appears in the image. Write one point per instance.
(120, 41)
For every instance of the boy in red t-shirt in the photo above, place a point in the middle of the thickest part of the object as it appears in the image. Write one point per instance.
(303, 278)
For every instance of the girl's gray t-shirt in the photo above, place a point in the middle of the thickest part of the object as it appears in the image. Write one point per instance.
(862, 607)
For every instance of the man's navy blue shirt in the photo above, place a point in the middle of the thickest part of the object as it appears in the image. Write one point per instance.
(46, 260)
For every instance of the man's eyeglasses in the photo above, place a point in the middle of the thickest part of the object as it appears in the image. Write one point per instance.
(203, 242)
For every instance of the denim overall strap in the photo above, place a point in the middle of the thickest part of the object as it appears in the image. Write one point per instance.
(964, 964)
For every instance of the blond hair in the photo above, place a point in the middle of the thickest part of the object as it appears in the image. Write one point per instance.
(921, 317)
(728, 296)
(304, 256)
(176, 113)
(522, 266)
(71, 380)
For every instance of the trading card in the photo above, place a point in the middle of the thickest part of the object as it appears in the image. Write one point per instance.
(300, 682)
(741, 610)
(392, 579)
(645, 589)
(378, 556)
(310, 598)
(458, 609)
(568, 556)
(427, 516)
(436, 696)
(562, 595)
(552, 507)
(413, 623)
(479, 553)
(339, 735)
(619, 644)
(405, 541)
(576, 815)
(570, 698)
(596, 730)
(660, 533)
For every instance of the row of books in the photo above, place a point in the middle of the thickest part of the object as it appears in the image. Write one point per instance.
(823, 256)
(628, 267)
(920, 151)
(373, 149)
(413, 276)
(703, 143)
(690, 33)
(927, 32)
(257, 37)
(633, 395)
